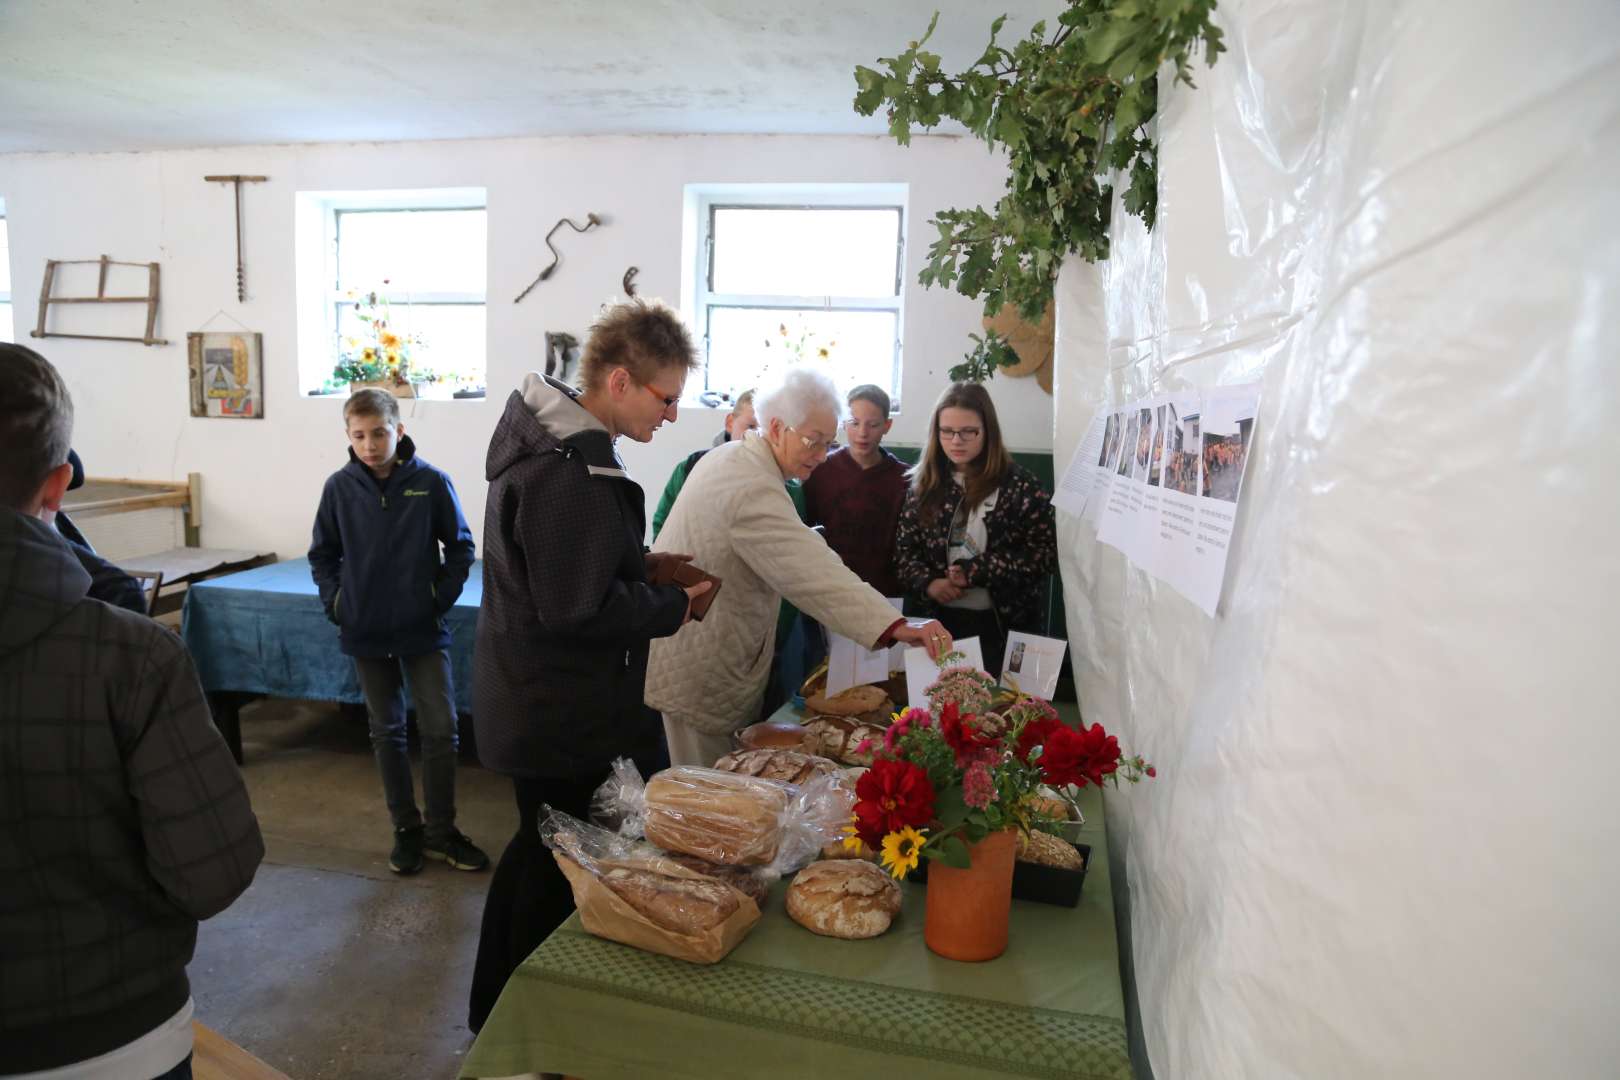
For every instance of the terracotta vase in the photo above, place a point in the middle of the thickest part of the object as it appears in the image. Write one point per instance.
(967, 910)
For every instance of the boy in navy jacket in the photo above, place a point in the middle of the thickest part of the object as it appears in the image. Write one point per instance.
(375, 557)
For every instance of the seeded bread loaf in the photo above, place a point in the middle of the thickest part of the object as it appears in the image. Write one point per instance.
(1049, 850)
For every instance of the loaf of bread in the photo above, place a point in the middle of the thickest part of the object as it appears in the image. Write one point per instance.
(843, 898)
(723, 817)
(837, 849)
(852, 702)
(840, 738)
(788, 766)
(772, 734)
(750, 883)
(680, 905)
(1048, 850)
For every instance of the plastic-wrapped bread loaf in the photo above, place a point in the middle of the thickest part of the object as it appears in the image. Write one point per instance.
(751, 882)
(684, 905)
(720, 816)
(727, 817)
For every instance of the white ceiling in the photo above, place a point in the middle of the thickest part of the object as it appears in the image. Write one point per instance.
(90, 75)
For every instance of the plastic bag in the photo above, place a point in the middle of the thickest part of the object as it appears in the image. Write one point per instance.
(632, 893)
(727, 817)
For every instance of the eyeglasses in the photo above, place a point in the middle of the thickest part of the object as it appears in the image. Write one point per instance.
(669, 402)
(815, 446)
(960, 434)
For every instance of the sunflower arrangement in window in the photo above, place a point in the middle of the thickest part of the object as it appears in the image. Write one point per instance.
(379, 355)
(947, 777)
(791, 346)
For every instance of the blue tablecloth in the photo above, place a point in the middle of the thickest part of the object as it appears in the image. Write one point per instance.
(263, 632)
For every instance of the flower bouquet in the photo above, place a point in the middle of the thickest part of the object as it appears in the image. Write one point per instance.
(382, 356)
(956, 784)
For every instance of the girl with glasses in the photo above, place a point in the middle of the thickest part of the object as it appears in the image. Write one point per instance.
(977, 537)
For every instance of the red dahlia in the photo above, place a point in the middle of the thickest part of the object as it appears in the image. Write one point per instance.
(890, 796)
(1079, 757)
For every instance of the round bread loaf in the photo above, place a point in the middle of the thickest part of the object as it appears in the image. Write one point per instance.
(840, 738)
(1049, 850)
(772, 734)
(851, 702)
(788, 766)
(843, 898)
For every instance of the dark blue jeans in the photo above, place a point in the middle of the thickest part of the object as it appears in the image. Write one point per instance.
(382, 681)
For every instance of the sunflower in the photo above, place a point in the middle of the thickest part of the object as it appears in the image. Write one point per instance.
(902, 850)
(852, 839)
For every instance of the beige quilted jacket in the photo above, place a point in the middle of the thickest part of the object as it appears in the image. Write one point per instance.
(736, 520)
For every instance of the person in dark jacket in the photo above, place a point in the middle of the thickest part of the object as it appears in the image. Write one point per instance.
(123, 819)
(568, 608)
(977, 537)
(107, 582)
(375, 557)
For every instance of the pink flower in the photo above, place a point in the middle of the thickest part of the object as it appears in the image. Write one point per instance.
(865, 746)
(904, 724)
(978, 788)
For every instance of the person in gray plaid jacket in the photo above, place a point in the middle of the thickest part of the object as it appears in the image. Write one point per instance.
(123, 819)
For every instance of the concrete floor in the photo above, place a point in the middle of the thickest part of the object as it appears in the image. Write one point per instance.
(330, 966)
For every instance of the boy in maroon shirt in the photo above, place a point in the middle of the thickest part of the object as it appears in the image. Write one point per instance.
(856, 494)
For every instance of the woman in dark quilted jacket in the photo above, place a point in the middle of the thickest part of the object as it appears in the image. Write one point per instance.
(569, 608)
(977, 538)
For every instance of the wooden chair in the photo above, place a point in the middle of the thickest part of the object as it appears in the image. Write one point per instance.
(151, 582)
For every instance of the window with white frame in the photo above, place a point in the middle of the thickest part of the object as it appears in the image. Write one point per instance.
(5, 278)
(788, 276)
(418, 260)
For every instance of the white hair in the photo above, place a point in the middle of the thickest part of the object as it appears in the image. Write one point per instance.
(801, 392)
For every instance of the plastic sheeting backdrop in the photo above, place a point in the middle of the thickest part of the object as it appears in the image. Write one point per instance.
(1380, 843)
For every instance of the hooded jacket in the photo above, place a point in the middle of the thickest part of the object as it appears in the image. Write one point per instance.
(567, 615)
(123, 819)
(375, 555)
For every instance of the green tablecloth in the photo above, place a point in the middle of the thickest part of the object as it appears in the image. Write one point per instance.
(789, 1003)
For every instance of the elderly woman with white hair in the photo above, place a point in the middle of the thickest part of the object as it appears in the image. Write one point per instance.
(736, 520)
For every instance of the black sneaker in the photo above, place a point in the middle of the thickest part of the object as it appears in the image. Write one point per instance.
(458, 851)
(407, 856)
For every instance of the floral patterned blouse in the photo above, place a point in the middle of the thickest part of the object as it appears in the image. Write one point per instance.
(1020, 555)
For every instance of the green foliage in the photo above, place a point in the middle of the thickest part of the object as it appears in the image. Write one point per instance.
(988, 354)
(1071, 111)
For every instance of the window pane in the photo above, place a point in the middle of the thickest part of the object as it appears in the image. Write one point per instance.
(452, 337)
(5, 258)
(413, 250)
(5, 322)
(748, 348)
(827, 252)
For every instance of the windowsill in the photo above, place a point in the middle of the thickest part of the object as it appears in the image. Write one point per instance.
(340, 395)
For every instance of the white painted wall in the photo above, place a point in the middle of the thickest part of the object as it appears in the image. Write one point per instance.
(261, 479)
(1382, 841)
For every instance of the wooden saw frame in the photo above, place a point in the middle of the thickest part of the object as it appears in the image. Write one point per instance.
(101, 297)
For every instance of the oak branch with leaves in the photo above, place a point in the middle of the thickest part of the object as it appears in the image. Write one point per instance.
(1071, 110)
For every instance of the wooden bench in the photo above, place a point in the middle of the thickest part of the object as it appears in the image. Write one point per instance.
(214, 1057)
